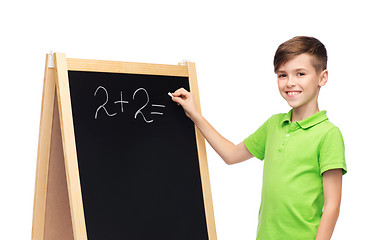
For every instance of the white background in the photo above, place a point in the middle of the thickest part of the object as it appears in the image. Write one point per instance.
(233, 44)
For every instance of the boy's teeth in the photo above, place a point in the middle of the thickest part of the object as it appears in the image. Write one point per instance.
(293, 93)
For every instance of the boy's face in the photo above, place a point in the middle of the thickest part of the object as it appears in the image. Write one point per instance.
(299, 83)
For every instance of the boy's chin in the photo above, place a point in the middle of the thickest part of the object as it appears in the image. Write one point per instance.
(293, 105)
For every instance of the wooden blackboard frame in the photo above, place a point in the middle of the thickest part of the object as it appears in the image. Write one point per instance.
(58, 205)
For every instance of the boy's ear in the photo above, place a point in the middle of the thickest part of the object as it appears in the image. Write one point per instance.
(323, 77)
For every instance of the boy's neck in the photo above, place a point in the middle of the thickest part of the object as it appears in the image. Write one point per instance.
(300, 113)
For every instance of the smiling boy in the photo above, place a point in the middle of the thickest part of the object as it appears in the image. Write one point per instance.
(303, 152)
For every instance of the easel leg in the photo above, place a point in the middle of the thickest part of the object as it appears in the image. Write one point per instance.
(51, 219)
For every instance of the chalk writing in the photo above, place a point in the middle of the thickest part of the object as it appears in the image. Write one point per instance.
(103, 105)
(157, 105)
(139, 111)
(121, 102)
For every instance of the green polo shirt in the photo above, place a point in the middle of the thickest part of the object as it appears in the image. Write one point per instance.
(295, 156)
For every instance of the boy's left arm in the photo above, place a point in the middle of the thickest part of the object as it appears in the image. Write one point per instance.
(332, 187)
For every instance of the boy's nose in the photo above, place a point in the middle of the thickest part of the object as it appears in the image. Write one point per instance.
(291, 82)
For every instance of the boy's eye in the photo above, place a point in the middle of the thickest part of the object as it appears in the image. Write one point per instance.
(281, 75)
(301, 74)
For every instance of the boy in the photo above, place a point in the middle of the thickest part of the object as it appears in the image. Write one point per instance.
(303, 152)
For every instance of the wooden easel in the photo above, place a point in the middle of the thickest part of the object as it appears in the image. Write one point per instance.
(58, 205)
(52, 215)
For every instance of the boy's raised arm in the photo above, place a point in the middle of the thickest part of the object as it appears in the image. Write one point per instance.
(228, 151)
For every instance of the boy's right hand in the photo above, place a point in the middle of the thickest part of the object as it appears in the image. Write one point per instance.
(185, 99)
(228, 151)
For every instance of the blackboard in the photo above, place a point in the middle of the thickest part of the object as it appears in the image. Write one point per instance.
(137, 157)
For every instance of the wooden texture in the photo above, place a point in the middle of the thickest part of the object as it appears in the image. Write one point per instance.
(51, 218)
(126, 67)
(207, 193)
(69, 145)
(43, 152)
(58, 223)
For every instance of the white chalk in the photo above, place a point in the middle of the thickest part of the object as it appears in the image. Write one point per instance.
(169, 94)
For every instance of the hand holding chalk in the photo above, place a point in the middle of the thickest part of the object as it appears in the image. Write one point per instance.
(185, 99)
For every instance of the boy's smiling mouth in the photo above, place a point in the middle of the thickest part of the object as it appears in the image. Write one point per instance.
(292, 93)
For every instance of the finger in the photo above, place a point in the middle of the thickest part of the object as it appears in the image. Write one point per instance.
(178, 100)
(181, 92)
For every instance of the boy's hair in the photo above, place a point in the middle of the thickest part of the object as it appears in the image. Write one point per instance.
(299, 45)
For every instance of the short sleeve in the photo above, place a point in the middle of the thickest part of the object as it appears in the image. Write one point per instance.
(332, 151)
(255, 143)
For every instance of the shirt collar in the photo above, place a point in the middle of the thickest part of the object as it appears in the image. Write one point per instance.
(308, 122)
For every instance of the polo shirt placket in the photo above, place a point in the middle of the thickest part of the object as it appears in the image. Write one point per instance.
(289, 129)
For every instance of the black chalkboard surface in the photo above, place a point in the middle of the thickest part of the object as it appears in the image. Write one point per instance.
(137, 158)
